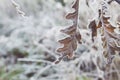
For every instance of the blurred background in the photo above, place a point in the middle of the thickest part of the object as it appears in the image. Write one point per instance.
(28, 44)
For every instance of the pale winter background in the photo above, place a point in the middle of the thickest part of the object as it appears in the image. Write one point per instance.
(28, 43)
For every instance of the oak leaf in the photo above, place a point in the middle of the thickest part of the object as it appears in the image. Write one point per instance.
(70, 43)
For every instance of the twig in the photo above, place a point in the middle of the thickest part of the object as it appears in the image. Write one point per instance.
(33, 60)
(17, 7)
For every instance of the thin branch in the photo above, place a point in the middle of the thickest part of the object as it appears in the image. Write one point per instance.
(18, 9)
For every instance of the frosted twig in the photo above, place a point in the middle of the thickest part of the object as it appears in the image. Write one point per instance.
(52, 76)
(116, 44)
(33, 60)
(40, 71)
(47, 50)
(17, 6)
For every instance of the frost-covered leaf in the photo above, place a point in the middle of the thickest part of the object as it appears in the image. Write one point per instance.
(111, 40)
(70, 43)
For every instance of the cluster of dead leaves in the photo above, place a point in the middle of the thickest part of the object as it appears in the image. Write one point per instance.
(111, 40)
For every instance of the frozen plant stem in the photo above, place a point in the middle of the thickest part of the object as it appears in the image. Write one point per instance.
(33, 60)
(40, 71)
(17, 7)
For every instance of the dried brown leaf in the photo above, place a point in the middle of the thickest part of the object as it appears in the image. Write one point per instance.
(93, 28)
(70, 43)
(111, 40)
(70, 30)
